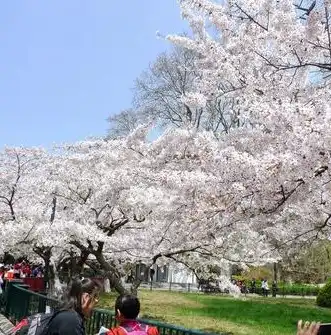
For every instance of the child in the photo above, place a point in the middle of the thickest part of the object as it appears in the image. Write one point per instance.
(127, 308)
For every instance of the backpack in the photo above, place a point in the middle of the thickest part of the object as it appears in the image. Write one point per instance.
(137, 329)
(37, 324)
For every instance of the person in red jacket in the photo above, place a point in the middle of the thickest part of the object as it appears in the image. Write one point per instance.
(127, 308)
(17, 270)
(26, 270)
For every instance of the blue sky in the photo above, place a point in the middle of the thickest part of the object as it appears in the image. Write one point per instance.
(66, 65)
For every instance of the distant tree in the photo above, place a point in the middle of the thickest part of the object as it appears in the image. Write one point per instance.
(123, 123)
(163, 94)
(311, 265)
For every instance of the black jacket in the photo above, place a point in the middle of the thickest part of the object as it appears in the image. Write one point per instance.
(67, 323)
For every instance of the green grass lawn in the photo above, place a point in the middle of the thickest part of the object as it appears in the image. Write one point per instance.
(242, 316)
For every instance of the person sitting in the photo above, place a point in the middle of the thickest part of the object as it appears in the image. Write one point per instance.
(127, 308)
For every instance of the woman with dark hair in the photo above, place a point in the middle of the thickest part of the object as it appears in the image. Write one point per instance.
(81, 298)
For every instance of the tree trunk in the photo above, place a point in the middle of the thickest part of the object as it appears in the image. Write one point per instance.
(45, 253)
(8, 258)
(137, 281)
(79, 266)
(47, 272)
(134, 287)
(275, 272)
(111, 274)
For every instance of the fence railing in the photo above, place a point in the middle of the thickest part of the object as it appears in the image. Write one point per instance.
(169, 286)
(21, 302)
(284, 291)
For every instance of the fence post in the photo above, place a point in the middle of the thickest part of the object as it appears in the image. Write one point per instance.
(170, 286)
(26, 306)
(189, 287)
(7, 300)
(42, 303)
(98, 322)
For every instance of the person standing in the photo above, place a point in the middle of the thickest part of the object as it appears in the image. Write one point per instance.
(2, 278)
(80, 300)
(17, 270)
(253, 286)
(263, 287)
(274, 289)
(266, 287)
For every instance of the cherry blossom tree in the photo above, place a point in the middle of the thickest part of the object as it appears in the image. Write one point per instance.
(160, 97)
(16, 194)
(267, 51)
(129, 201)
(188, 197)
(163, 200)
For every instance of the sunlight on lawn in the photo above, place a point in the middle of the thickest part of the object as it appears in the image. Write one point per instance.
(210, 313)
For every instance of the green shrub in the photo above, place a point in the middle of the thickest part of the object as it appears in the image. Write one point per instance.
(284, 289)
(324, 295)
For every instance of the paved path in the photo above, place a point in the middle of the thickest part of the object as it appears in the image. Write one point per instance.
(194, 289)
(5, 325)
(279, 296)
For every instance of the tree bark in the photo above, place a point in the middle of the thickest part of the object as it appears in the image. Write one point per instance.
(45, 253)
(47, 272)
(81, 261)
(111, 273)
(134, 286)
(275, 272)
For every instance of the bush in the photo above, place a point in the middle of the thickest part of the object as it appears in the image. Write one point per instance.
(298, 289)
(324, 295)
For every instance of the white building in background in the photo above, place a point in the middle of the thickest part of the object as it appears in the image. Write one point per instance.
(166, 274)
(181, 276)
(178, 274)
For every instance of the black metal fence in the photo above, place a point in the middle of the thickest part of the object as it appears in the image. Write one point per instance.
(21, 302)
(281, 290)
